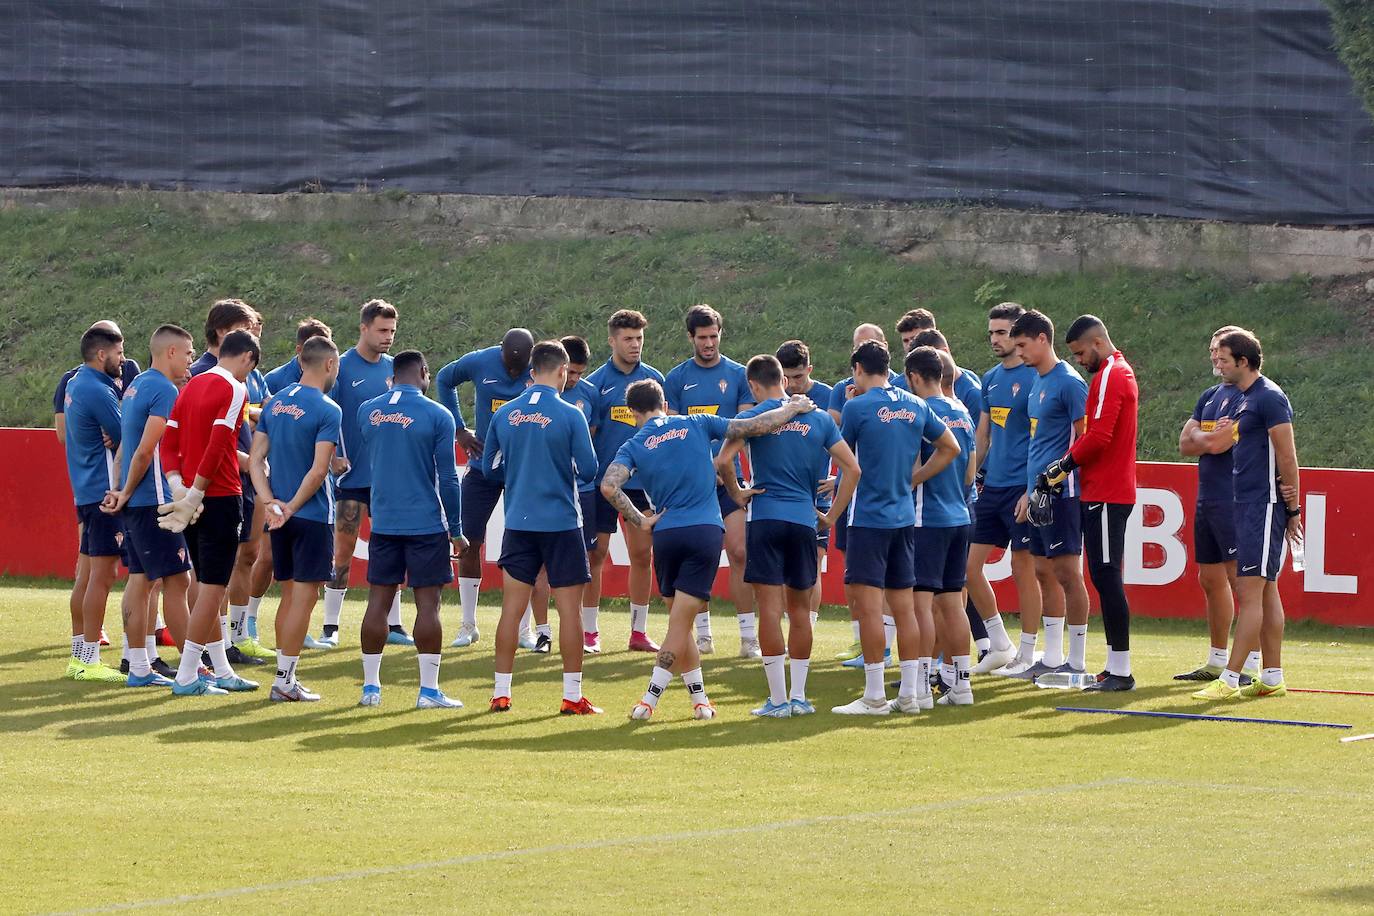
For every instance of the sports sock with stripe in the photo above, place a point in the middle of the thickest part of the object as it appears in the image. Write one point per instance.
(659, 680)
(776, 675)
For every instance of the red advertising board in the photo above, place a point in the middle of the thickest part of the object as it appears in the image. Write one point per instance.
(38, 538)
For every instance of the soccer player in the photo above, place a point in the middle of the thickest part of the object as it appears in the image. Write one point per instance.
(782, 564)
(795, 359)
(1057, 402)
(614, 426)
(712, 383)
(912, 323)
(1003, 444)
(92, 433)
(364, 373)
(942, 532)
(498, 374)
(1106, 454)
(298, 433)
(1207, 436)
(416, 521)
(968, 388)
(154, 555)
(542, 447)
(1264, 473)
(200, 445)
(672, 457)
(583, 395)
(289, 372)
(885, 426)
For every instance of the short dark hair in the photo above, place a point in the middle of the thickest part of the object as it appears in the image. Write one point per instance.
(1084, 324)
(626, 318)
(311, 327)
(930, 338)
(237, 343)
(872, 357)
(915, 320)
(1244, 345)
(1224, 330)
(764, 369)
(168, 330)
(702, 316)
(97, 339)
(644, 396)
(578, 351)
(223, 315)
(794, 354)
(407, 361)
(1006, 311)
(547, 356)
(1032, 324)
(924, 363)
(315, 350)
(376, 308)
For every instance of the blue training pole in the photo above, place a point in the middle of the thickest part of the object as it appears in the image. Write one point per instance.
(1186, 715)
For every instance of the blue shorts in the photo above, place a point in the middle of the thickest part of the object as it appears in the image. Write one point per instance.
(1214, 531)
(303, 551)
(562, 553)
(354, 494)
(780, 553)
(587, 500)
(101, 534)
(246, 530)
(153, 552)
(994, 519)
(823, 538)
(1064, 536)
(479, 502)
(686, 559)
(1260, 539)
(881, 557)
(727, 505)
(422, 560)
(941, 559)
(606, 515)
(842, 532)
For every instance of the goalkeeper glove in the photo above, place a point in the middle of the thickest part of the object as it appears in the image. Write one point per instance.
(1040, 504)
(1058, 471)
(175, 516)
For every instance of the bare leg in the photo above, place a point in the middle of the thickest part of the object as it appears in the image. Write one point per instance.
(1271, 629)
(97, 596)
(78, 596)
(1249, 620)
(568, 602)
(1028, 590)
(176, 612)
(374, 626)
(741, 592)
(640, 544)
(1215, 579)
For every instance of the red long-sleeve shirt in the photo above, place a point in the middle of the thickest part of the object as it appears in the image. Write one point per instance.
(202, 432)
(1106, 450)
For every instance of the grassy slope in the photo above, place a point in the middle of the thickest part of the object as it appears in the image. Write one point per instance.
(1007, 806)
(143, 266)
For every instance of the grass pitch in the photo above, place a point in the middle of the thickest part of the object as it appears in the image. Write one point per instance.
(117, 797)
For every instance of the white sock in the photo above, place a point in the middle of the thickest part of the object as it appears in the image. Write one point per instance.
(1054, 641)
(776, 674)
(1271, 677)
(704, 625)
(150, 645)
(138, 662)
(219, 659)
(429, 670)
(889, 631)
(800, 668)
(253, 605)
(982, 645)
(1119, 663)
(1026, 653)
(696, 687)
(963, 667)
(393, 616)
(468, 587)
(639, 618)
(286, 670)
(815, 616)
(1252, 662)
(748, 625)
(78, 643)
(873, 681)
(372, 670)
(1216, 658)
(502, 685)
(1078, 646)
(333, 605)
(124, 654)
(658, 682)
(911, 670)
(238, 622)
(854, 627)
(160, 622)
(525, 620)
(923, 676)
(544, 629)
(947, 674)
(225, 635)
(90, 652)
(997, 633)
(590, 617)
(1230, 678)
(572, 686)
(188, 669)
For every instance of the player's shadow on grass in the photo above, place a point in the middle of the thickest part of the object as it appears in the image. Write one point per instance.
(1359, 895)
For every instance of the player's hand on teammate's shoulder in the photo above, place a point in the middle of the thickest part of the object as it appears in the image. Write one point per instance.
(800, 403)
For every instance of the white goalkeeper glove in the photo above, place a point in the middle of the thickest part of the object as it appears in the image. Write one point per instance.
(175, 516)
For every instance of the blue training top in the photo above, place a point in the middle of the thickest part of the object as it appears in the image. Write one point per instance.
(583, 397)
(492, 386)
(359, 381)
(91, 408)
(1058, 400)
(412, 437)
(614, 423)
(671, 458)
(288, 373)
(941, 502)
(1214, 471)
(785, 464)
(295, 420)
(1005, 398)
(541, 446)
(884, 427)
(1255, 469)
(151, 394)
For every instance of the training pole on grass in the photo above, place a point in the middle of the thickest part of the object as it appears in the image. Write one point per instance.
(1339, 693)
(1350, 738)
(1198, 718)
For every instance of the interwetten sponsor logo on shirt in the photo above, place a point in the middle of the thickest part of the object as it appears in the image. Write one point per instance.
(377, 418)
(516, 418)
(293, 411)
(887, 415)
(654, 442)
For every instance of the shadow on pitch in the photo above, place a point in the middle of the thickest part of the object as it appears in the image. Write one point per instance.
(1360, 895)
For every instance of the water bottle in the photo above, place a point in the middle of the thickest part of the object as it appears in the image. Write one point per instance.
(1065, 680)
(1296, 552)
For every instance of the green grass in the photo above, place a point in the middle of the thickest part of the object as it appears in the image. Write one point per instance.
(116, 796)
(144, 266)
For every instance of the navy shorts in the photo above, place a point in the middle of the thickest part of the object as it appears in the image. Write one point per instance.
(303, 551)
(586, 499)
(153, 552)
(247, 531)
(479, 502)
(1064, 536)
(881, 557)
(1214, 531)
(686, 559)
(727, 505)
(213, 541)
(422, 560)
(101, 534)
(780, 553)
(1260, 539)
(994, 519)
(606, 515)
(941, 559)
(563, 554)
(354, 494)
(842, 532)
(823, 538)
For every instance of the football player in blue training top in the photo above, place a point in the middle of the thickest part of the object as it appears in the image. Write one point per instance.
(795, 358)
(289, 372)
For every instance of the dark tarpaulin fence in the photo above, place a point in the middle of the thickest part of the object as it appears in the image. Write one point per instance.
(1232, 109)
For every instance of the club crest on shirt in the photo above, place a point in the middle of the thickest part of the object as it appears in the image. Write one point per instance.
(516, 418)
(654, 442)
(723, 385)
(181, 554)
(888, 414)
(132, 392)
(1015, 388)
(377, 418)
